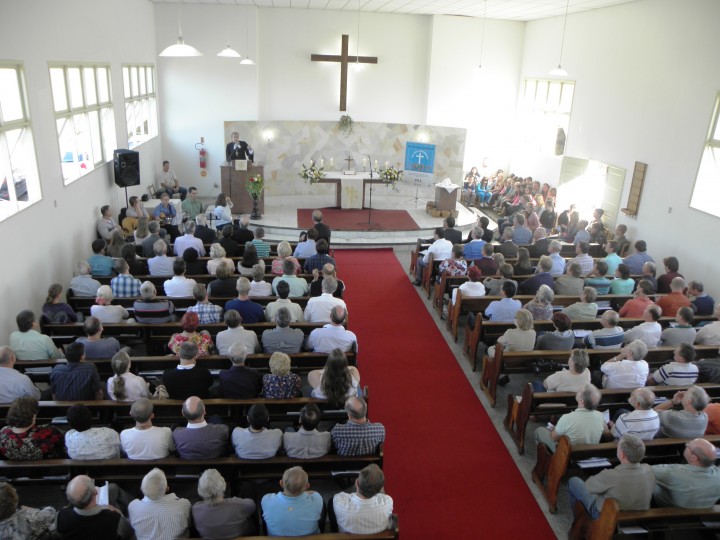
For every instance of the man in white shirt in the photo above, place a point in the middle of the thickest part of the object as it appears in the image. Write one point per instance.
(710, 333)
(188, 240)
(626, 370)
(160, 264)
(368, 510)
(333, 335)
(558, 267)
(236, 334)
(145, 441)
(307, 442)
(441, 249)
(179, 286)
(14, 384)
(650, 331)
(318, 308)
(159, 515)
(283, 292)
(169, 182)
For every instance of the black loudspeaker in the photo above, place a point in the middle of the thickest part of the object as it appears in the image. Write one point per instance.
(127, 168)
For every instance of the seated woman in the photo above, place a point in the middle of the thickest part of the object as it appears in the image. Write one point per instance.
(21, 522)
(484, 192)
(126, 386)
(572, 379)
(336, 381)
(137, 266)
(22, 440)
(281, 383)
(586, 308)
(194, 266)
(86, 442)
(523, 267)
(54, 310)
(250, 259)
(217, 257)
(623, 283)
(189, 324)
(456, 265)
(226, 283)
(258, 285)
(284, 251)
(473, 288)
(117, 241)
(142, 232)
(626, 370)
(151, 310)
(562, 339)
(104, 310)
(541, 306)
(222, 211)
(217, 517)
(520, 338)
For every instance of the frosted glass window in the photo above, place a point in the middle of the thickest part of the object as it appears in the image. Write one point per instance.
(545, 114)
(707, 182)
(140, 104)
(57, 82)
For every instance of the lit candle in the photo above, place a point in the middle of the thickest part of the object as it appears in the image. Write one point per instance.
(386, 164)
(322, 162)
(364, 162)
(331, 163)
(376, 163)
(312, 163)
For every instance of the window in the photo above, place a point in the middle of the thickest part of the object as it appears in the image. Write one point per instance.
(84, 117)
(19, 181)
(140, 104)
(707, 183)
(545, 112)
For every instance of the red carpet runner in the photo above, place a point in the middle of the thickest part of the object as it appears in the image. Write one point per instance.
(446, 467)
(357, 220)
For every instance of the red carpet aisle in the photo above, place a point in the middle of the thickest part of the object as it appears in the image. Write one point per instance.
(357, 220)
(446, 467)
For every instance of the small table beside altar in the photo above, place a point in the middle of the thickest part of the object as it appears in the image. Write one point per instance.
(233, 182)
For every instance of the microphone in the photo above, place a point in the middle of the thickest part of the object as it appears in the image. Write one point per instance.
(370, 162)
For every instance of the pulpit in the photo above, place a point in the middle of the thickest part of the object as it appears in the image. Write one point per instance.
(233, 182)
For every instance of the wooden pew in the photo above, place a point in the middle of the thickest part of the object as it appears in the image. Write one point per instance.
(421, 245)
(391, 533)
(521, 408)
(445, 287)
(273, 248)
(84, 303)
(551, 468)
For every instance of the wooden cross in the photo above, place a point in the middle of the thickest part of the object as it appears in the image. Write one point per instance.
(344, 59)
(349, 159)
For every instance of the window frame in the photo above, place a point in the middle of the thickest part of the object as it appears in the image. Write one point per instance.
(531, 107)
(140, 99)
(711, 143)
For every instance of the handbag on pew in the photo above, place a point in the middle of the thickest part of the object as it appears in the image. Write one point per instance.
(543, 365)
(160, 392)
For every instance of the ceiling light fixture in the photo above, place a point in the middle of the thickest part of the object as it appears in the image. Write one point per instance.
(358, 66)
(559, 71)
(482, 36)
(180, 49)
(247, 61)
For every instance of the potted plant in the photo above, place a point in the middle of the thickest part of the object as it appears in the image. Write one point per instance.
(346, 124)
(255, 186)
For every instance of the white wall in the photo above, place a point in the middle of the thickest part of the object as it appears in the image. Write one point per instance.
(50, 236)
(481, 100)
(646, 79)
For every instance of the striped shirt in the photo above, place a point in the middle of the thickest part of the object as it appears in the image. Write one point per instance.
(606, 338)
(676, 374)
(165, 518)
(644, 424)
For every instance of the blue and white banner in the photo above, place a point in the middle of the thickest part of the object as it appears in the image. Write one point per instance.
(419, 163)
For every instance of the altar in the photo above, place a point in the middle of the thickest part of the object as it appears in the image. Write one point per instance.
(349, 188)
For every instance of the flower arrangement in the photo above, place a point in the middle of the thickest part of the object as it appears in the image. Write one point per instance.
(255, 186)
(312, 174)
(346, 124)
(390, 175)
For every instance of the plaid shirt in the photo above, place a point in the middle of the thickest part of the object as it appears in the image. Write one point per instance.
(317, 261)
(207, 312)
(353, 439)
(125, 285)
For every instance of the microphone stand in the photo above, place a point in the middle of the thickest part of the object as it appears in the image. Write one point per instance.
(371, 224)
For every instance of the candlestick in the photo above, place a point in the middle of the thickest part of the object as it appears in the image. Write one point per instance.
(331, 163)
(312, 163)
(364, 162)
(376, 163)
(322, 162)
(386, 164)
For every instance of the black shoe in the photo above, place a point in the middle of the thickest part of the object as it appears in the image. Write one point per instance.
(503, 380)
(417, 283)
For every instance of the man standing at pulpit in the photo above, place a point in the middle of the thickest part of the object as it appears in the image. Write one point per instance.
(237, 149)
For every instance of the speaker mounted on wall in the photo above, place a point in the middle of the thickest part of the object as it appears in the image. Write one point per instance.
(127, 167)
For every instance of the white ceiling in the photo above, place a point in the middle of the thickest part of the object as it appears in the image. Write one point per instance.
(514, 10)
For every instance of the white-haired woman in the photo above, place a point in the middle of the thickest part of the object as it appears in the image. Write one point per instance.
(217, 257)
(626, 370)
(284, 251)
(104, 310)
(218, 517)
(540, 307)
(258, 285)
(520, 338)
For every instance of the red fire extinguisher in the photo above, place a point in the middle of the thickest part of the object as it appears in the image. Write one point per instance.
(203, 158)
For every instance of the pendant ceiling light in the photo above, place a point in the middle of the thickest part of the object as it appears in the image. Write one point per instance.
(357, 66)
(559, 71)
(482, 35)
(180, 49)
(247, 61)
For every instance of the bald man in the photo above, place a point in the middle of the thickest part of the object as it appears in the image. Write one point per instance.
(85, 517)
(199, 440)
(359, 436)
(334, 335)
(695, 485)
(294, 511)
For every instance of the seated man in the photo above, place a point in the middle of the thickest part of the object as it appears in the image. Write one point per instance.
(207, 313)
(240, 381)
(187, 379)
(626, 370)
(440, 249)
(149, 310)
(643, 421)
(558, 267)
(682, 332)
(169, 183)
(257, 441)
(358, 436)
(649, 331)
(188, 240)
(493, 286)
(100, 264)
(541, 243)
(179, 286)
(571, 283)
(231, 247)
(670, 303)
(318, 308)
(487, 264)
(680, 372)
(85, 517)
(95, 345)
(13, 384)
(124, 285)
(542, 277)
(597, 279)
(75, 381)
(631, 483)
(156, 233)
(283, 292)
(328, 270)
(262, 247)
(282, 338)
(507, 247)
(368, 510)
(165, 213)
(106, 224)
(582, 258)
(251, 312)
(610, 336)
(521, 234)
(104, 308)
(29, 344)
(159, 515)
(191, 207)
(320, 259)
(145, 441)
(582, 234)
(298, 286)
(586, 308)
(648, 273)
(199, 440)
(294, 511)
(83, 283)
(612, 259)
(584, 425)
(689, 420)
(160, 264)
(504, 310)
(701, 302)
(306, 248)
(710, 333)
(636, 261)
(307, 442)
(207, 235)
(672, 265)
(333, 335)
(692, 485)
(473, 249)
(235, 333)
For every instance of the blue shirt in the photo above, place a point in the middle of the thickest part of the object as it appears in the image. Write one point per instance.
(168, 210)
(613, 261)
(249, 310)
(635, 261)
(503, 310)
(600, 284)
(292, 516)
(100, 265)
(522, 235)
(473, 250)
(558, 267)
